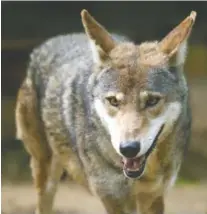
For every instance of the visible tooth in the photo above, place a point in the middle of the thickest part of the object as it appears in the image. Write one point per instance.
(136, 164)
(133, 170)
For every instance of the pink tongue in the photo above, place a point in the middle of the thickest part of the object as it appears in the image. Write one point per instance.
(132, 163)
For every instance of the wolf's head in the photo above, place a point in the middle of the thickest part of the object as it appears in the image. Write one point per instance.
(138, 90)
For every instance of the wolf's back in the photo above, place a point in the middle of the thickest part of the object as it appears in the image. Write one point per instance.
(49, 57)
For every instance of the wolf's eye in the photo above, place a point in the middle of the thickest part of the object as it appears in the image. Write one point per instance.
(113, 101)
(152, 101)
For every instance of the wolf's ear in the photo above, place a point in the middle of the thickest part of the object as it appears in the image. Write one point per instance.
(101, 41)
(174, 45)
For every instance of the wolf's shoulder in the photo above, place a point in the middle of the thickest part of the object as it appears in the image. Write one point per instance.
(59, 49)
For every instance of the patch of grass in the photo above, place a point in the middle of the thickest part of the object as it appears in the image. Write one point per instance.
(185, 181)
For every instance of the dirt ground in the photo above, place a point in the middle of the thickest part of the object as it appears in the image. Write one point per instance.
(72, 199)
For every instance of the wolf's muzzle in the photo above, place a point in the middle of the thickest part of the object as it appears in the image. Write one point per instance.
(133, 167)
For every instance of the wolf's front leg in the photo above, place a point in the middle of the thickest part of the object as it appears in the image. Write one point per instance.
(46, 178)
(147, 204)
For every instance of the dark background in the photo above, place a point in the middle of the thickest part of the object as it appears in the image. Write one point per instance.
(27, 24)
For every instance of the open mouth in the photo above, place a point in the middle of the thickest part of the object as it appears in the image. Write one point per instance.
(134, 167)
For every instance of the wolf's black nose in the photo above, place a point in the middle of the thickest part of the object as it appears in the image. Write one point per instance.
(130, 149)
